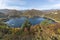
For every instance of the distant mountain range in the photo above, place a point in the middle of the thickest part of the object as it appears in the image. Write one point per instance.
(32, 12)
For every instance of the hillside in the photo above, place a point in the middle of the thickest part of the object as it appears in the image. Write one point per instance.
(43, 31)
(54, 14)
(28, 32)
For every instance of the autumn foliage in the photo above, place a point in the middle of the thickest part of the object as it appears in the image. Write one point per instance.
(36, 32)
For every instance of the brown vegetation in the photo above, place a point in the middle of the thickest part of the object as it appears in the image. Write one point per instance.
(37, 32)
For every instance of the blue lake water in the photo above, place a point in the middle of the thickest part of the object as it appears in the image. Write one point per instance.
(17, 22)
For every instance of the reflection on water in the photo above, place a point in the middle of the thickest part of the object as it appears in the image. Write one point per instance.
(17, 22)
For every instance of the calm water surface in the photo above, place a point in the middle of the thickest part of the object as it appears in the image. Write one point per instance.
(17, 22)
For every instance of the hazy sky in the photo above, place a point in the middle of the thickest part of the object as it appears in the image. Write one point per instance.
(30, 4)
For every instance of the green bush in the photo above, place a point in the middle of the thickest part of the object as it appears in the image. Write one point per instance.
(26, 24)
(46, 22)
